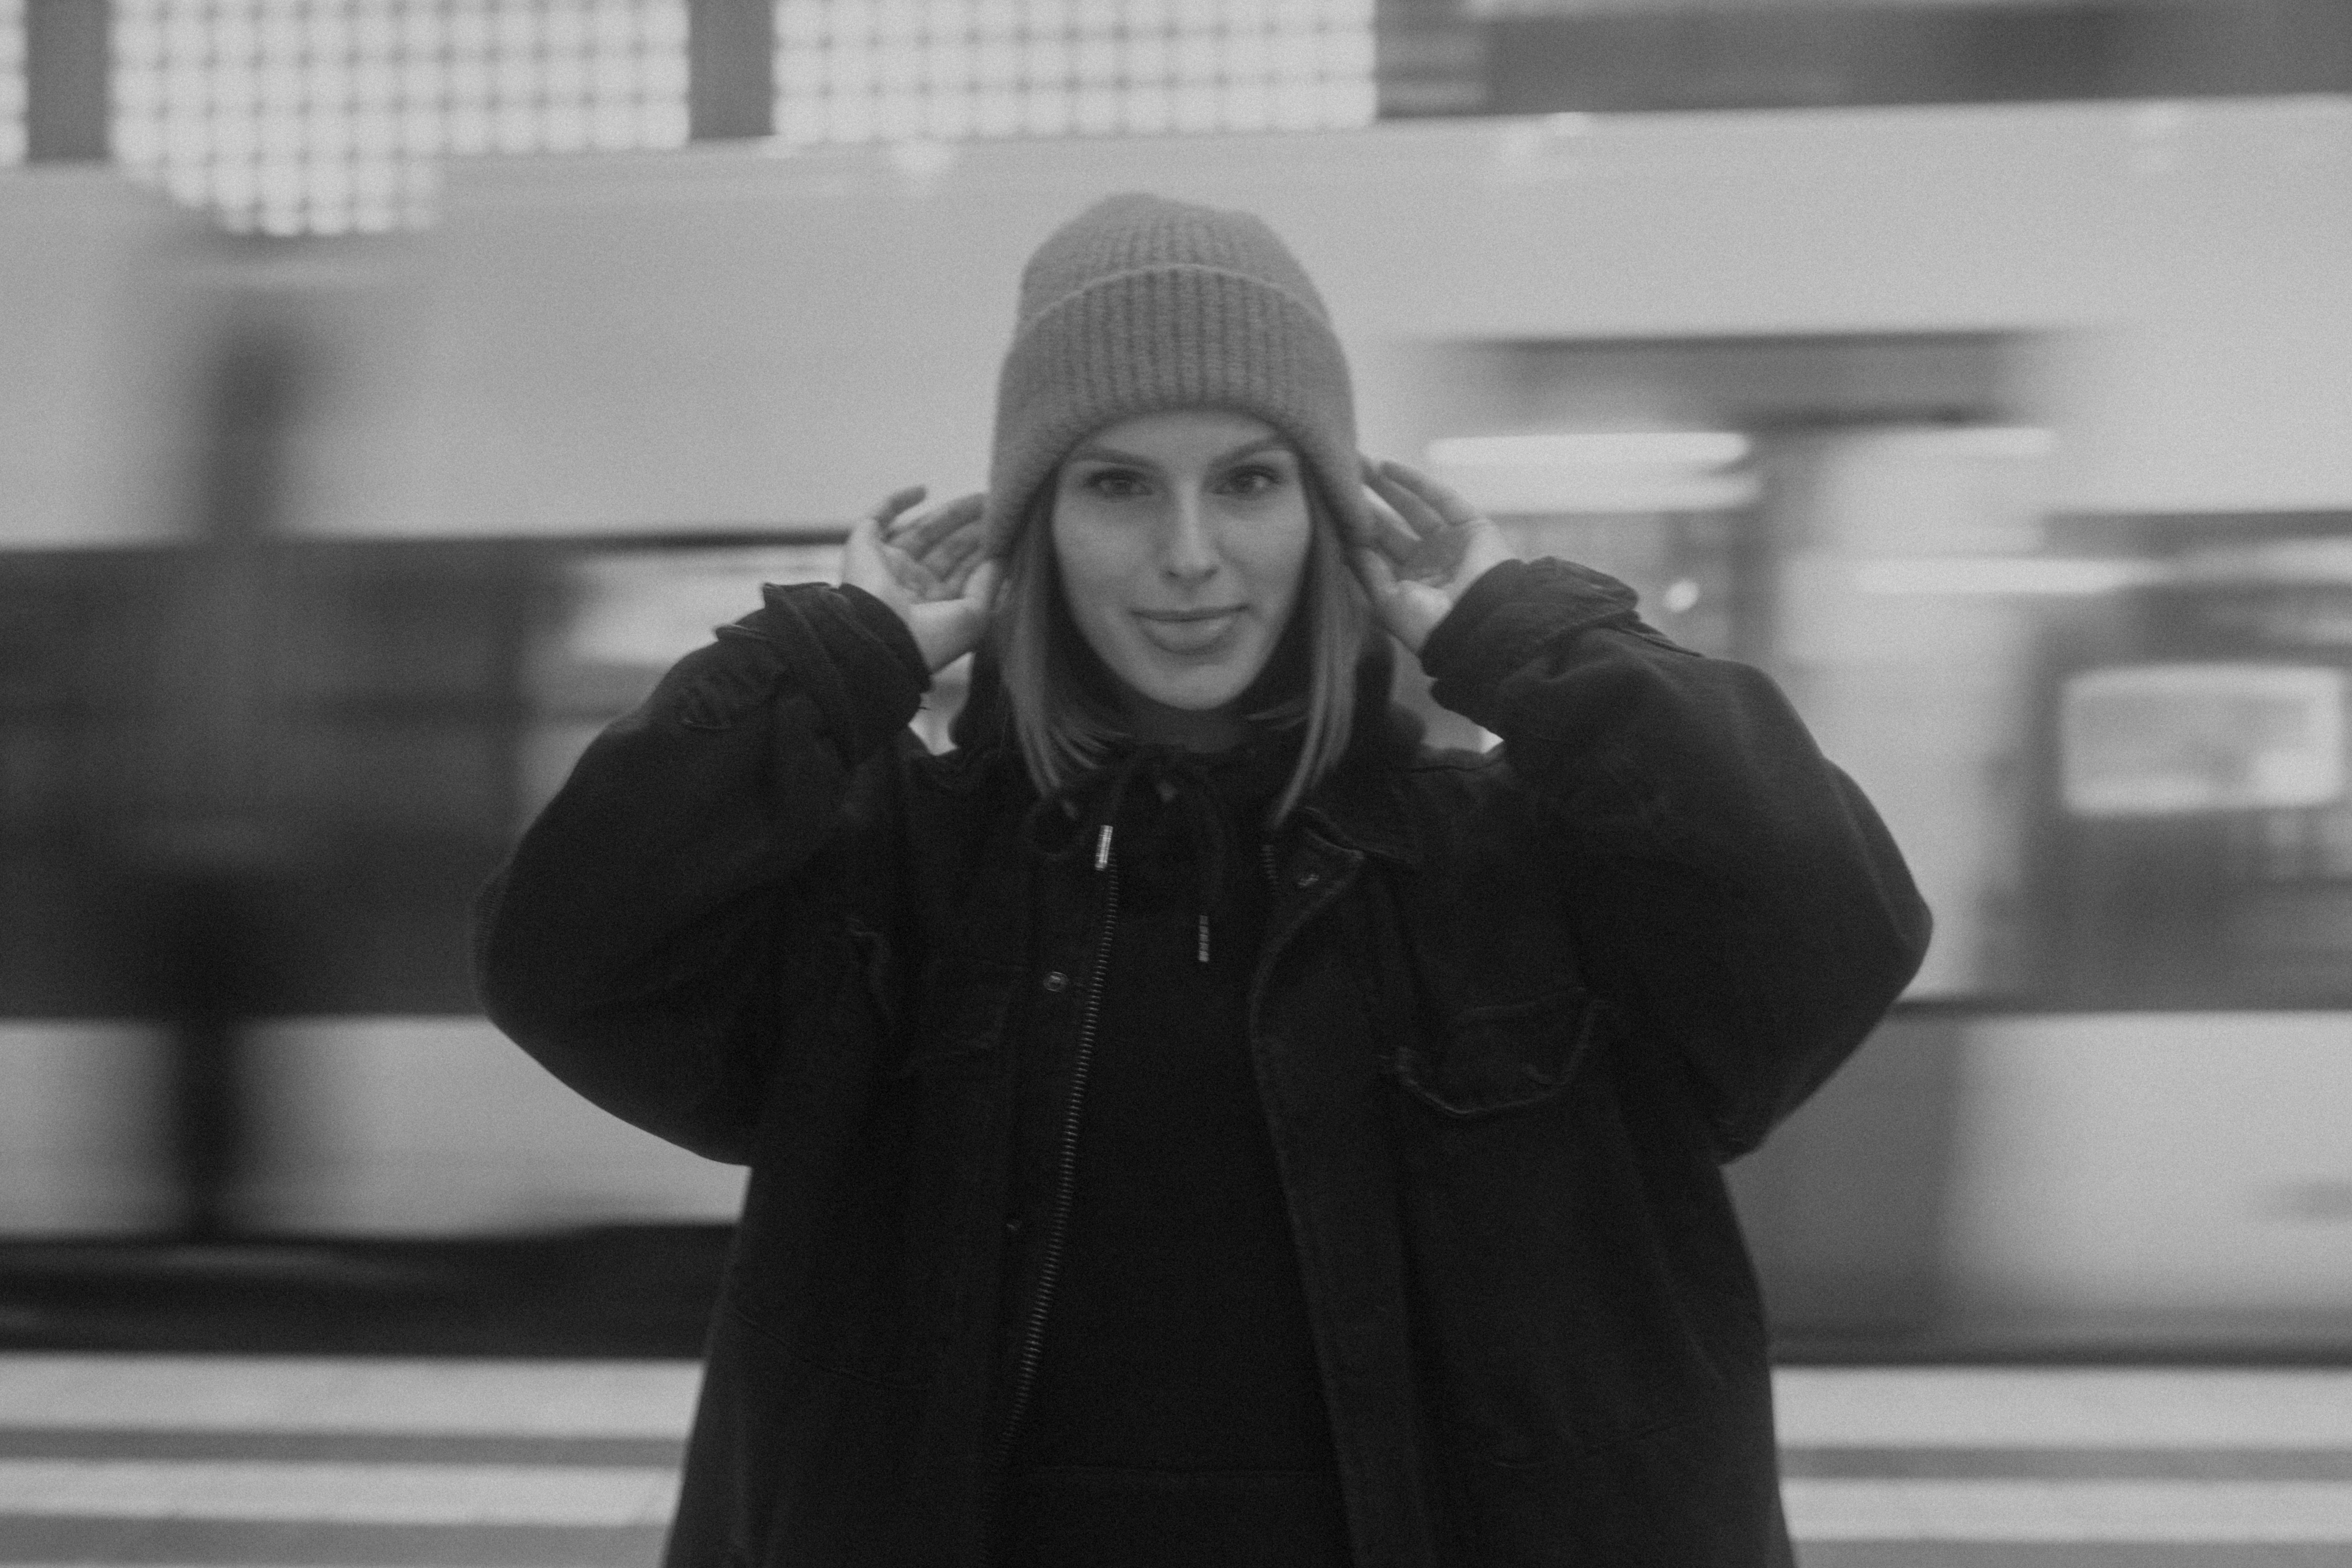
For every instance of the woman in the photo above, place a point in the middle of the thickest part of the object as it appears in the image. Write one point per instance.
(1190, 1122)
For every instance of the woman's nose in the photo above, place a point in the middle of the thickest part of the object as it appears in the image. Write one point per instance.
(1188, 551)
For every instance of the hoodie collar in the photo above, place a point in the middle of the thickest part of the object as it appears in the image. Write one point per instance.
(1359, 805)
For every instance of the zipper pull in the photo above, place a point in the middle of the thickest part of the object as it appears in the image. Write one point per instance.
(1102, 848)
(1204, 936)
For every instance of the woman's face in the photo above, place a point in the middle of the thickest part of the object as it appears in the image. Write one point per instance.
(1181, 538)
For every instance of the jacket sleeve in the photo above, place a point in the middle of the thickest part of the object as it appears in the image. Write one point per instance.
(1738, 897)
(654, 930)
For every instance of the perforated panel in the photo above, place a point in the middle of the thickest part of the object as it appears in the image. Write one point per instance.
(332, 116)
(11, 83)
(865, 70)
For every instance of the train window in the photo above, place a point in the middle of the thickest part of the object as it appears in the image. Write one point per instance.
(2200, 840)
(329, 116)
(2115, 749)
(2169, 740)
(864, 70)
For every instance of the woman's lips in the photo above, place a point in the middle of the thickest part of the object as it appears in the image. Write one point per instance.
(1187, 631)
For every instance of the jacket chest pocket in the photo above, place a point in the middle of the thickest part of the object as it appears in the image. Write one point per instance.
(1504, 1056)
(1552, 1297)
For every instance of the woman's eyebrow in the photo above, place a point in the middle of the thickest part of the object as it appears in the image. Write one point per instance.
(1092, 453)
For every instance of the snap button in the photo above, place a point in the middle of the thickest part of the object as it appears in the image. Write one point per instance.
(1058, 981)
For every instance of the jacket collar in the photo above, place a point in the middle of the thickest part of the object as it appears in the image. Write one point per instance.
(1362, 804)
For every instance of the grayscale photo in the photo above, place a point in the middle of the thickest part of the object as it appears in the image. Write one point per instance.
(1175, 783)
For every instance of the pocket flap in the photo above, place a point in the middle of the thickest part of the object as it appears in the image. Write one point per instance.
(1506, 1056)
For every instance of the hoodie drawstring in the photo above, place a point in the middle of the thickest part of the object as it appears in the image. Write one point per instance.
(1183, 784)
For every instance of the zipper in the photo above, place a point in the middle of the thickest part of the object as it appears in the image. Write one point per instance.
(1033, 1339)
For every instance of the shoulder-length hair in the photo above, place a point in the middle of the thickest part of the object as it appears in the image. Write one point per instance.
(1064, 703)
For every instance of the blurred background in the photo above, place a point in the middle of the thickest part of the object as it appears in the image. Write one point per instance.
(389, 389)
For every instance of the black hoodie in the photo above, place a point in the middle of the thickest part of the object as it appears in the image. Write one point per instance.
(1177, 1413)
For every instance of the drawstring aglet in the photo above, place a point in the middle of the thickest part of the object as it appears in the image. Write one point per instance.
(1102, 848)
(1204, 936)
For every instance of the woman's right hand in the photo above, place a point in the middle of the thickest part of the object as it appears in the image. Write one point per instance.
(928, 567)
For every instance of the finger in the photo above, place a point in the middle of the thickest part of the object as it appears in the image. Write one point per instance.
(974, 584)
(1385, 531)
(1436, 558)
(1412, 519)
(1435, 511)
(1452, 506)
(954, 576)
(864, 537)
(920, 533)
(887, 514)
(919, 579)
(1419, 515)
(864, 558)
(958, 549)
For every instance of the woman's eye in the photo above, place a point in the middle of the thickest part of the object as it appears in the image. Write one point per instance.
(1115, 484)
(1251, 481)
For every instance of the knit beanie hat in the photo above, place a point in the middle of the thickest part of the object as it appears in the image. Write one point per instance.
(1140, 304)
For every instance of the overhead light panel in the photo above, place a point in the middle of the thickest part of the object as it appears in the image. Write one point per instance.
(2028, 576)
(1684, 449)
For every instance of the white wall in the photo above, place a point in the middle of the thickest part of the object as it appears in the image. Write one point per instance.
(97, 331)
(727, 335)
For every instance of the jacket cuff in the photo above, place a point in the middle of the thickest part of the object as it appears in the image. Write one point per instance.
(851, 653)
(1508, 615)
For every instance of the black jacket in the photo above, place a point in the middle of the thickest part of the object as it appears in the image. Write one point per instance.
(1510, 1014)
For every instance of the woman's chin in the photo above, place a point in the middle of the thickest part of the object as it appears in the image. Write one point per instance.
(1199, 683)
(1201, 692)
(1196, 709)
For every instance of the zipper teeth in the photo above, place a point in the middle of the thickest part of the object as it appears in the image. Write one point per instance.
(1033, 1342)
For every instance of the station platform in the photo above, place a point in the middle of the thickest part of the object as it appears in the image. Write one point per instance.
(317, 1460)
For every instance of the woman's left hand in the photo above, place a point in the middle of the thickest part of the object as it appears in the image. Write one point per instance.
(1426, 546)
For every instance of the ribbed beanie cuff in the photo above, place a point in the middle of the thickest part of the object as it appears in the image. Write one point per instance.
(1139, 305)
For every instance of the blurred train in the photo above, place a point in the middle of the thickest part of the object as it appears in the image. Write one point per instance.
(2015, 440)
